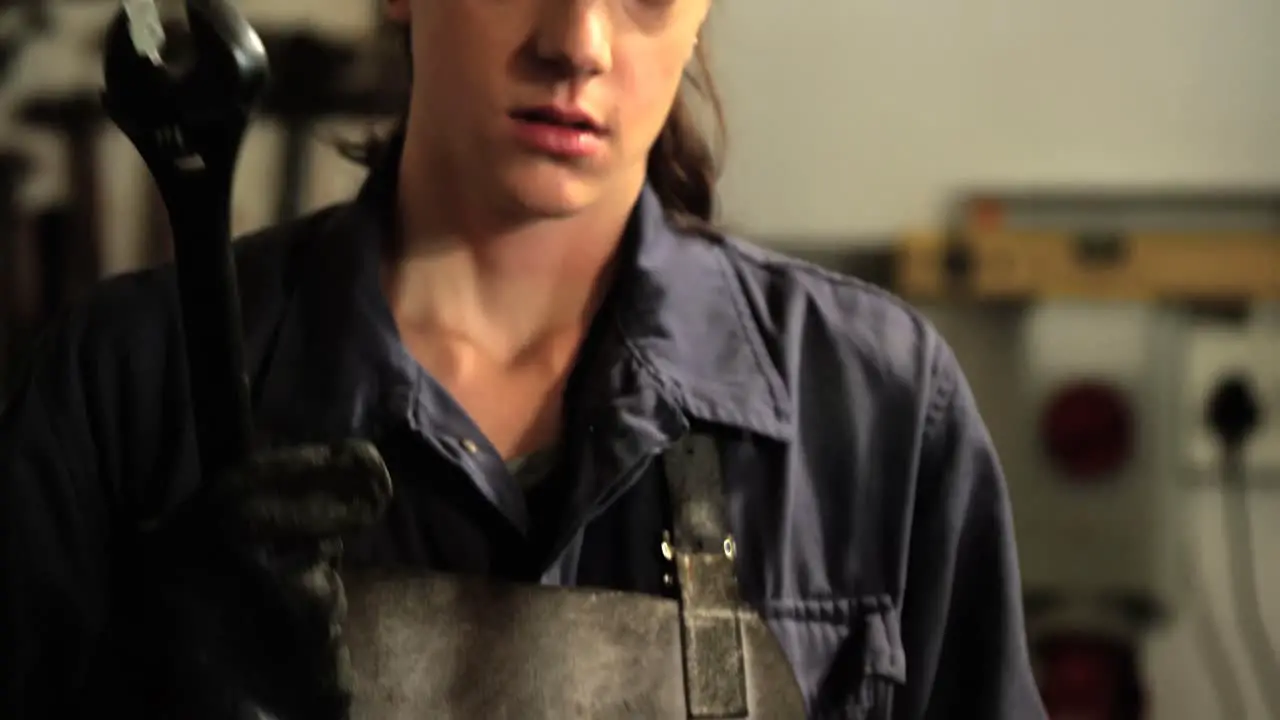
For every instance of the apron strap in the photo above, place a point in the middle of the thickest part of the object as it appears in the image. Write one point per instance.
(703, 552)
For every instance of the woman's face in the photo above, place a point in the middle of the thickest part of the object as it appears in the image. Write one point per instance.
(548, 105)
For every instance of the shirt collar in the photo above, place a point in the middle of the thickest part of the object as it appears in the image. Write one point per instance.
(680, 307)
(684, 313)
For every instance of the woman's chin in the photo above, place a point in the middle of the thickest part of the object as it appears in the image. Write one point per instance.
(548, 189)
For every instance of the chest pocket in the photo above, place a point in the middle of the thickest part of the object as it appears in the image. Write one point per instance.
(847, 654)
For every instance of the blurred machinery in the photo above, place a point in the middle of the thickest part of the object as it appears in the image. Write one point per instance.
(1097, 441)
(15, 300)
(20, 22)
(1091, 299)
(315, 78)
(70, 236)
(49, 256)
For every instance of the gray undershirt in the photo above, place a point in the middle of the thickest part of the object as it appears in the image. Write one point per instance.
(531, 470)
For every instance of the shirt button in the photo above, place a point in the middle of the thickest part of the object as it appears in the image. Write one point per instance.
(470, 446)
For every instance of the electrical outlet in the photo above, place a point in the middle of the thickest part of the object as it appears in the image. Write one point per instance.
(1211, 353)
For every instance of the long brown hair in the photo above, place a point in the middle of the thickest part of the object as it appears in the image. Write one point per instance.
(683, 165)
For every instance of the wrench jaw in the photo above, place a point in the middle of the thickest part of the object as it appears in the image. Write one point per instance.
(187, 124)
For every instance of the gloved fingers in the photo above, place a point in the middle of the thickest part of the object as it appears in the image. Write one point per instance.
(301, 650)
(323, 580)
(309, 491)
(308, 585)
(298, 558)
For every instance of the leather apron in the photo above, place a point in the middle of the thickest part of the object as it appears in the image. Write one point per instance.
(447, 647)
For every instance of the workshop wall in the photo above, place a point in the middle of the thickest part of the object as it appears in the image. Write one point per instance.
(858, 116)
(854, 119)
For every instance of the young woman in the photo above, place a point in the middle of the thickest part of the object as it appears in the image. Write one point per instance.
(639, 469)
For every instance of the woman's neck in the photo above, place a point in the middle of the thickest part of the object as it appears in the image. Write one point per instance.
(501, 290)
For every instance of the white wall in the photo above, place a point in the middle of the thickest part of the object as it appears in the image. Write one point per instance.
(862, 115)
(857, 117)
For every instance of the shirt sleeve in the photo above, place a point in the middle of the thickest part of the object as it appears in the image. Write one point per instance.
(966, 639)
(53, 539)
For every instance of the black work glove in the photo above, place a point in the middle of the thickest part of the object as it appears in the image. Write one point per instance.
(246, 604)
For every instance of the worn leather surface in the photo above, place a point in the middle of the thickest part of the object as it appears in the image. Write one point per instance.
(457, 648)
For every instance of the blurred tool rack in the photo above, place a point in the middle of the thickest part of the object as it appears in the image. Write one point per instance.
(51, 256)
(1195, 247)
(1217, 248)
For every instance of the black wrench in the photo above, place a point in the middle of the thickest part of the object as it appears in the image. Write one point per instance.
(188, 122)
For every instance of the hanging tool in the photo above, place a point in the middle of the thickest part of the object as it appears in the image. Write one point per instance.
(78, 119)
(13, 325)
(314, 78)
(188, 121)
(304, 70)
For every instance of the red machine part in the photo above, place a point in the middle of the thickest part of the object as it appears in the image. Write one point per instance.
(1090, 678)
(1087, 430)
(985, 214)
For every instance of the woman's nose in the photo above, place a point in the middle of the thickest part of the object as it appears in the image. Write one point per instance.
(575, 36)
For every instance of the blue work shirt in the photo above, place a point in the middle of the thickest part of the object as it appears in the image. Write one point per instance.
(872, 522)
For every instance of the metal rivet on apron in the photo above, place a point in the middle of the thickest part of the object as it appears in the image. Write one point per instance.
(470, 446)
(730, 548)
(667, 551)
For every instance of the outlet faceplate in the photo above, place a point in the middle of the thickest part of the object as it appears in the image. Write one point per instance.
(1212, 352)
